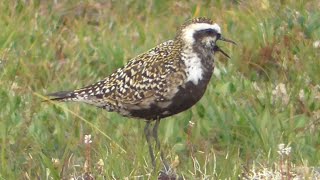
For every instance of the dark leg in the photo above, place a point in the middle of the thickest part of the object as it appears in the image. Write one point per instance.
(155, 136)
(147, 133)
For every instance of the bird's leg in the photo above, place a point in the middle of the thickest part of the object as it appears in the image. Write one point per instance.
(155, 136)
(147, 134)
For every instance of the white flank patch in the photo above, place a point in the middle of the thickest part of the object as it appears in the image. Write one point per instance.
(194, 67)
(187, 32)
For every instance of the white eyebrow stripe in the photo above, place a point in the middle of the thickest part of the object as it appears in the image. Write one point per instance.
(187, 32)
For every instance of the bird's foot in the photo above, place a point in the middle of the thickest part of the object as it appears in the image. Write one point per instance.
(168, 173)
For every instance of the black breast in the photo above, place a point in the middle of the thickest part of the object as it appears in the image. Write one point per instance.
(187, 96)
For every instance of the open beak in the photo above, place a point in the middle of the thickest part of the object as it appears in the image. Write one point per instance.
(217, 48)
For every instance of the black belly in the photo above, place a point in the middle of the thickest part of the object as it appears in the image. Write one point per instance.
(185, 98)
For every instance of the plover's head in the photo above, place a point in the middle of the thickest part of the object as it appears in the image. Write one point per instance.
(201, 32)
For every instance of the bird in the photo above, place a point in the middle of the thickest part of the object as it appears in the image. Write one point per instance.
(165, 80)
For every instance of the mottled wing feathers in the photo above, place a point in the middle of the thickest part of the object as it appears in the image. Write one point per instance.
(141, 81)
(142, 77)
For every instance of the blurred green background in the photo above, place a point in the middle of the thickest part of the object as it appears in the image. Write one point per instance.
(268, 93)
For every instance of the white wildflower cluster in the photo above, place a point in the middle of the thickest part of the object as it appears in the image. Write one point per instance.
(55, 162)
(87, 139)
(277, 172)
(100, 166)
(284, 150)
(266, 173)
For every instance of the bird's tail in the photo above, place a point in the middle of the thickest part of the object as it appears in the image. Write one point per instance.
(63, 96)
(87, 94)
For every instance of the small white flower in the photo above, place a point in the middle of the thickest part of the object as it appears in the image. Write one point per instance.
(191, 123)
(316, 44)
(281, 146)
(55, 162)
(87, 139)
(283, 150)
(100, 163)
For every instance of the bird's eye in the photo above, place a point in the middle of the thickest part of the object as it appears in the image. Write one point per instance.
(218, 35)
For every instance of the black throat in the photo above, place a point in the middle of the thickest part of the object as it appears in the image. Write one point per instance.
(206, 55)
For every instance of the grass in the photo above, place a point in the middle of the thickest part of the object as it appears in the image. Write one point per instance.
(268, 93)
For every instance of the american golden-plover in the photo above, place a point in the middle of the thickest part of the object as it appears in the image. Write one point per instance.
(166, 80)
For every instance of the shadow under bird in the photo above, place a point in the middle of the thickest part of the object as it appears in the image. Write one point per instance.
(166, 80)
